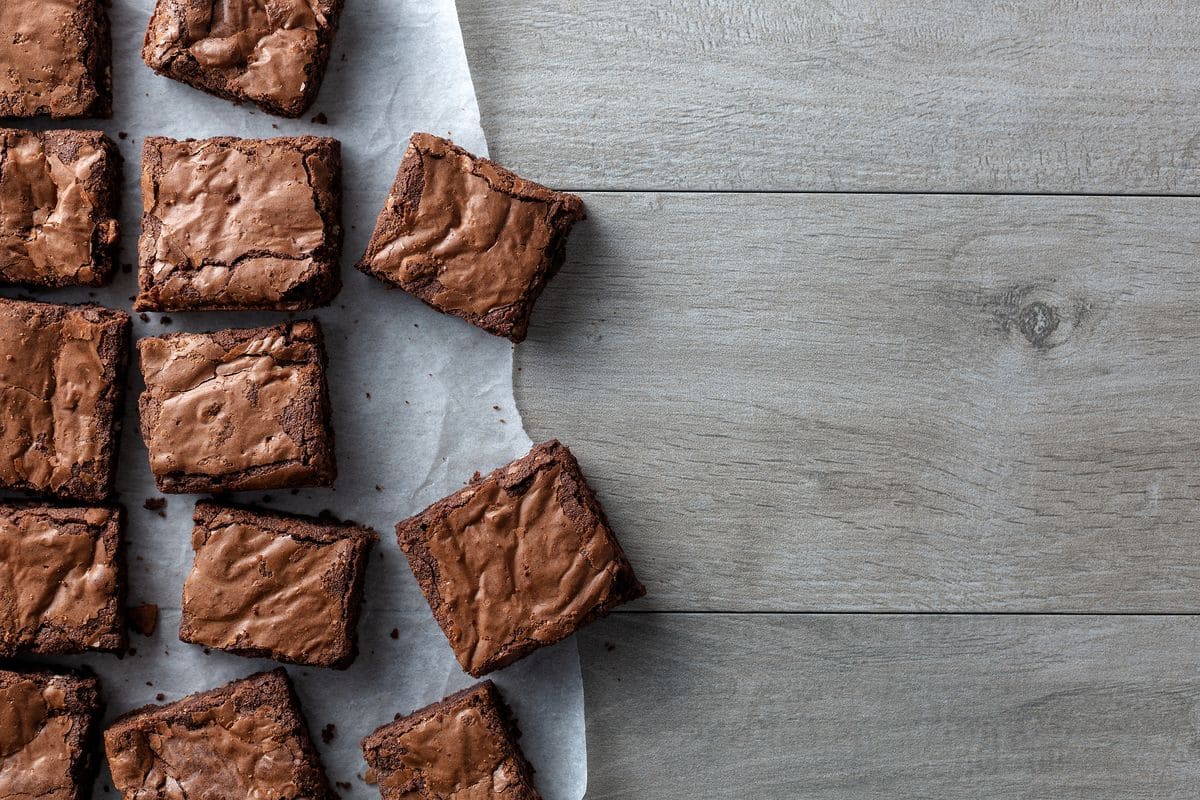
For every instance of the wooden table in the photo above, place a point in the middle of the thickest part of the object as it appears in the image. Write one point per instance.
(882, 348)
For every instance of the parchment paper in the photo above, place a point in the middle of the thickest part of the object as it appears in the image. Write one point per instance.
(420, 401)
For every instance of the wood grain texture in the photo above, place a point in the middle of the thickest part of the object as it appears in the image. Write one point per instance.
(845, 95)
(884, 402)
(884, 707)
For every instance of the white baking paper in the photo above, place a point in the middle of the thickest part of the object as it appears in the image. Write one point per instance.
(420, 401)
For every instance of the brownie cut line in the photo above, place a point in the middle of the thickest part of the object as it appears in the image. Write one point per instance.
(517, 560)
(49, 723)
(246, 739)
(62, 579)
(462, 746)
(61, 379)
(270, 585)
(271, 54)
(468, 237)
(59, 198)
(237, 409)
(232, 224)
(55, 58)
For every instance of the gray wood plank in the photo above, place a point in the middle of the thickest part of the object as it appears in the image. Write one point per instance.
(870, 706)
(1041, 96)
(884, 402)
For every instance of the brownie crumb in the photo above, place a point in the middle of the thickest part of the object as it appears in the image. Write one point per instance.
(266, 498)
(378, 488)
(122, 135)
(609, 646)
(395, 634)
(127, 268)
(158, 504)
(143, 618)
(144, 317)
(160, 697)
(320, 118)
(165, 320)
(345, 786)
(329, 733)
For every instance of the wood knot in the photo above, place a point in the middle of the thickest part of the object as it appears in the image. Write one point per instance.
(1037, 321)
(1038, 315)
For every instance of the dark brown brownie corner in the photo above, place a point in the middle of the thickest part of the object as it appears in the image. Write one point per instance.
(487, 266)
(464, 743)
(548, 598)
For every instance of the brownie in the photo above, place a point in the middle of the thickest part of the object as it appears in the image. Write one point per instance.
(55, 58)
(48, 727)
(464, 746)
(246, 739)
(468, 237)
(62, 579)
(237, 409)
(517, 560)
(271, 54)
(59, 196)
(272, 585)
(239, 223)
(61, 380)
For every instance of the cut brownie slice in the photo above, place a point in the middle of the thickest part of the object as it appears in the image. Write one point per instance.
(468, 237)
(55, 58)
(61, 380)
(517, 560)
(271, 54)
(58, 207)
(237, 409)
(464, 746)
(239, 223)
(62, 579)
(48, 726)
(273, 585)
(246, 739)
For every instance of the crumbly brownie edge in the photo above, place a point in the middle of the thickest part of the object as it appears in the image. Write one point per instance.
(316, 293)
(410, 534)
(323, 467)
(301, 528)
(184, 68)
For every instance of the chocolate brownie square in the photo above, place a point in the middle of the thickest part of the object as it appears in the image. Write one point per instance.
(55, 58)
(517, 560)
(61, 378)
(48, 726)
(58, 207)
(237, 409)
(271, 54)
(62, 579)
(463, 746)
(468, 237)
(239, 223)
(246, 739)
(272, 585)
